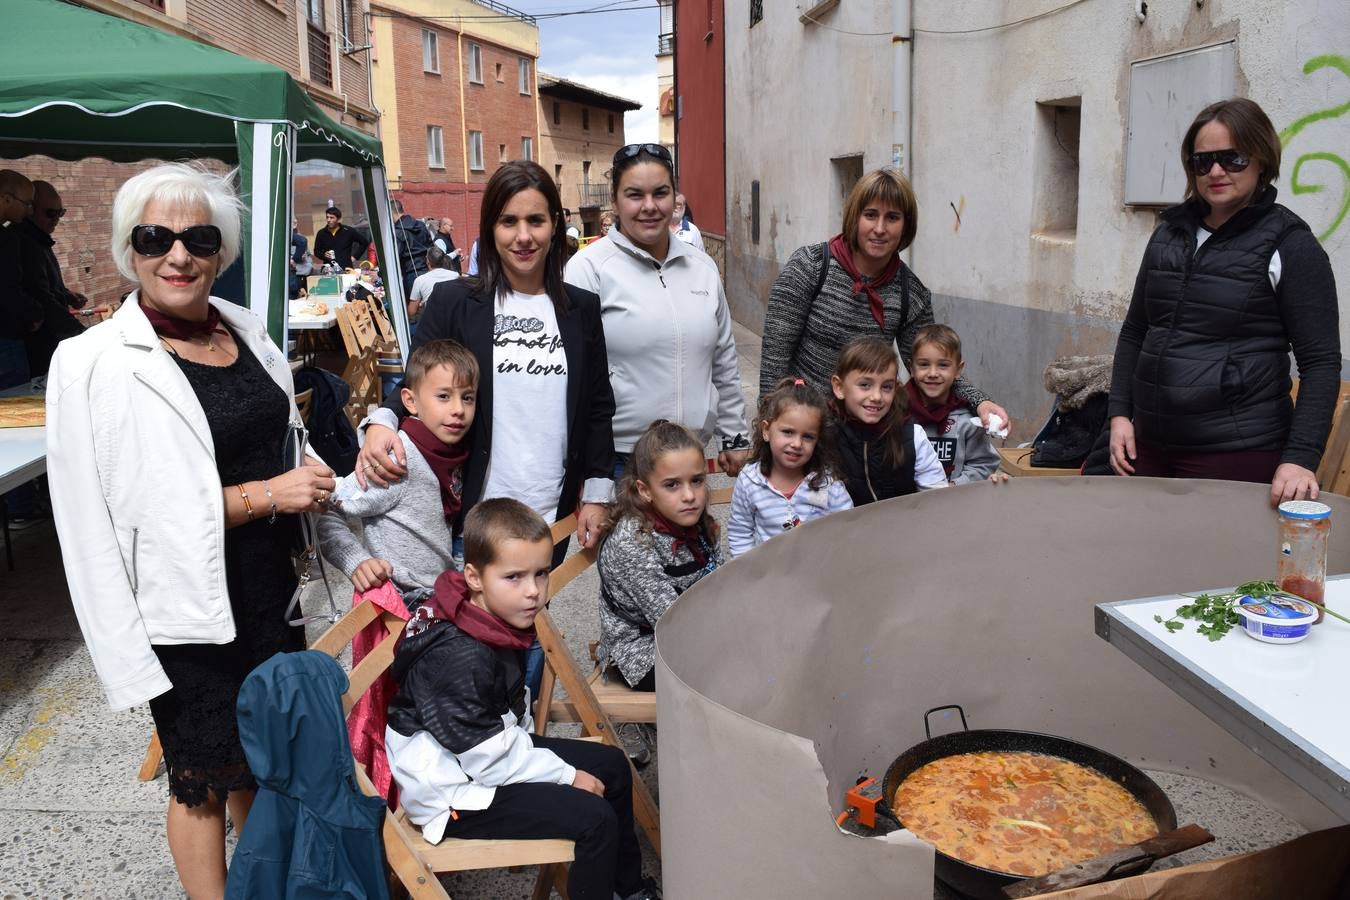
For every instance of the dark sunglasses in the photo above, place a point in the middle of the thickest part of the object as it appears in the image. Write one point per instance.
(157, 240)
(54, 213)
(1231, 160)
(633, 150)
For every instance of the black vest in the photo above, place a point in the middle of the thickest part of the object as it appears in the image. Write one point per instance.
(1213, 369)
(868, 474)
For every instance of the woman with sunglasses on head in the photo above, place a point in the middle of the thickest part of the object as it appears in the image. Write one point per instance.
(541, 430)
(1230, 281)
(667, 325)
(168, 428)
(854, 285)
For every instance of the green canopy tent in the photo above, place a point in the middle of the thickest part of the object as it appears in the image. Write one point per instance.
(76, 84)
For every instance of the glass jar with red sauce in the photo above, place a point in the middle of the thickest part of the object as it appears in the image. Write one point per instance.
(1302, 567)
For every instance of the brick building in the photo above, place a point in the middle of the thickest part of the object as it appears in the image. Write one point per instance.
(455, 82)
(580, 129)
(317, 41)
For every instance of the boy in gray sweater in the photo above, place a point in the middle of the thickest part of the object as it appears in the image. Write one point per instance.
(402, 531)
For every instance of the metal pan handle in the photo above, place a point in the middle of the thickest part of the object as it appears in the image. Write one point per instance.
(928, 732)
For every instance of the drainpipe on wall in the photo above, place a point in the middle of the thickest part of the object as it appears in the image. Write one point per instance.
(902, 90)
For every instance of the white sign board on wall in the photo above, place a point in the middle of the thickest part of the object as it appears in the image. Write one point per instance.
(1166, 93)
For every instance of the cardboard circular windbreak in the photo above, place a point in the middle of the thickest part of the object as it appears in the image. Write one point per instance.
(810, 661)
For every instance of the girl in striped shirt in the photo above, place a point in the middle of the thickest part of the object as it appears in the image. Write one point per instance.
(790, 477)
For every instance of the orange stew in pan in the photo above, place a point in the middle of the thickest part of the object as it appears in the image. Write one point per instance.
(1021, 813)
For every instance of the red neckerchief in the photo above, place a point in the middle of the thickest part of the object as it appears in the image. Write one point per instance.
(690, 537)
(169, 326)
(450, 602)
(445, 461)
(844, 256)
(939, 416)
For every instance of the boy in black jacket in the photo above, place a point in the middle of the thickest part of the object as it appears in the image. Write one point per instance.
(459, 729)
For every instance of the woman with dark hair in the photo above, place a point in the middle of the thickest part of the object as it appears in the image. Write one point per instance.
(1230, 281)
(853, 285)
(667, 323)
(542, 432)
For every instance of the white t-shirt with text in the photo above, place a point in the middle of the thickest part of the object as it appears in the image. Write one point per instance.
(529, 404)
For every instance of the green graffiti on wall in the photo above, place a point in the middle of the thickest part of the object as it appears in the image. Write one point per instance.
(1298, 185)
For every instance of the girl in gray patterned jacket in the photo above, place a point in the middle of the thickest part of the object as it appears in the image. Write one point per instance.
(662, 543)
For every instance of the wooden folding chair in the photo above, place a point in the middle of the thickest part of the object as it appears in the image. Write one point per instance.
(360, 371)
(594, 701)
(414, 861)
(302, 401)
(387, 337)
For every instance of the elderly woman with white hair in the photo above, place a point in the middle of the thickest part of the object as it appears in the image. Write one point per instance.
(168, 434)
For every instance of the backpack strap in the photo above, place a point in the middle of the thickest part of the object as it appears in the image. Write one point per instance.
(824, 270)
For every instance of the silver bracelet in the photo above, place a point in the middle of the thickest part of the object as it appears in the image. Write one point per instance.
(272, 519)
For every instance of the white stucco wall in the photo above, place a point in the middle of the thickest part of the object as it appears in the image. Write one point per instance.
(799, 94)
(975, 136)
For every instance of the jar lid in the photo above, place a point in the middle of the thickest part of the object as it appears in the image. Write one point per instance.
(1305, 509)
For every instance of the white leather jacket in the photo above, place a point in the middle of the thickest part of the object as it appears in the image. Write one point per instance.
(136, 495)
(668, 337)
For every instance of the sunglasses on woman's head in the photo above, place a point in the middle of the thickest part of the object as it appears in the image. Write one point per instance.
(157, 240)
(1230, 160)
(633, 150)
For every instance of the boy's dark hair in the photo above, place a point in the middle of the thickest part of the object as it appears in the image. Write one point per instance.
(333, 211)
(442, 353)
(874, 356)
(493, 522)
(788, 393)
(660, 438)
(943, 337)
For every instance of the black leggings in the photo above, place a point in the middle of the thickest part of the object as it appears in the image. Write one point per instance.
(608, 859)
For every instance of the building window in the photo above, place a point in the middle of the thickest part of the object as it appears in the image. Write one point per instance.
(557, 174)
(611, 123)
(756, 12)
(320, 49)
(475, 64)
(586, 172)
(1055, 213)
(431, 52)
(524, 74)
(435, 147)
(345, 14)
(557, 113)
(501, 153)
(498, 71)
(476, 150)
(527, 148)
(585, 119)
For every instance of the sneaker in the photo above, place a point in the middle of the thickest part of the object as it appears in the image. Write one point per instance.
(634, 740)
(650, 890)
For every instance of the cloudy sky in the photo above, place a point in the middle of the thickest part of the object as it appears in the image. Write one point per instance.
(612, 49)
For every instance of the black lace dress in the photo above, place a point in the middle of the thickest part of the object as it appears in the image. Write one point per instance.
(248, 415)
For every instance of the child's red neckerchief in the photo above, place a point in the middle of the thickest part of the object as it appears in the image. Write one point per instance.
(450, 602)
(445, 461)
(690, 537)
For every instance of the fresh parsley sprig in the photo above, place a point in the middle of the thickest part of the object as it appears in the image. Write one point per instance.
(1217, 613)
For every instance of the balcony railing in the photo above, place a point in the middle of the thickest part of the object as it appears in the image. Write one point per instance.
(507, 11)
(594, 195)
(665, 43)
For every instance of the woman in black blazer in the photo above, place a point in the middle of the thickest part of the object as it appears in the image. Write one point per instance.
(542, 430)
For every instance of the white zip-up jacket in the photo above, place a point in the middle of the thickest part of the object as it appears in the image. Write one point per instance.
(668, 336)
(136, 495)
